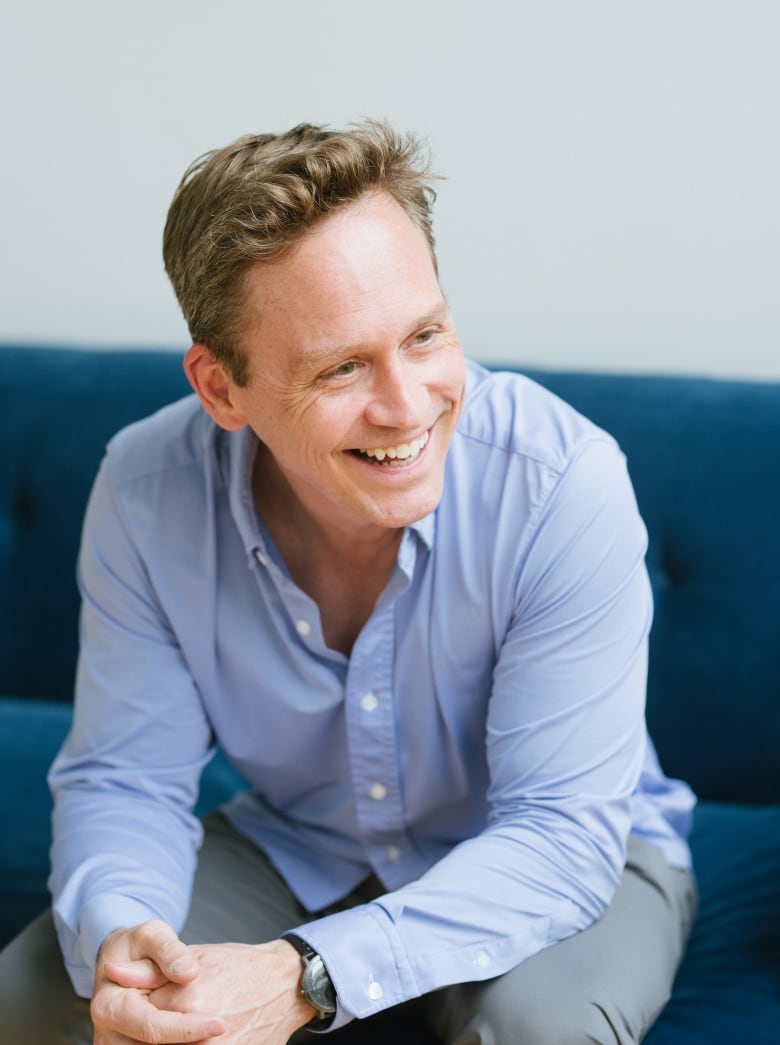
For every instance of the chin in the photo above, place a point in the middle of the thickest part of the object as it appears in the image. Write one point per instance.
(411, 513)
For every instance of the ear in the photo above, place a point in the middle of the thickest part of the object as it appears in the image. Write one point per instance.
(214, 386)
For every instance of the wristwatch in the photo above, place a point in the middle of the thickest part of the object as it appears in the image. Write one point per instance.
(316, 985)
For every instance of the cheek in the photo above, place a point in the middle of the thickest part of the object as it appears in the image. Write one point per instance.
(452, 374)
(326, 427)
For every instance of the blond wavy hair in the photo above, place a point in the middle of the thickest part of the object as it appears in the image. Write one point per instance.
(252, 200)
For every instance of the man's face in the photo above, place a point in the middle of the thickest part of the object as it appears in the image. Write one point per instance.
(356, 373)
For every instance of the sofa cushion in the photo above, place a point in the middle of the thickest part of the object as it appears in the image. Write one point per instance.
(728, 987)
(30, 733)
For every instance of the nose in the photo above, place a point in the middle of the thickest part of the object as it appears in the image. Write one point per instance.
(398, 396)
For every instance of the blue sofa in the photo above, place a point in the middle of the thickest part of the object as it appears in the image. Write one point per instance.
(705, 460)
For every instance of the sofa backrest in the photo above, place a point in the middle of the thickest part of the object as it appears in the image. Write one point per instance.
(704, 457)
(58, 409)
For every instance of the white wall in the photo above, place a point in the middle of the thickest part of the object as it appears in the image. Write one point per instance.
(613, 167)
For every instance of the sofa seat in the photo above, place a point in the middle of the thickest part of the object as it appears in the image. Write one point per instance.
(728, 988)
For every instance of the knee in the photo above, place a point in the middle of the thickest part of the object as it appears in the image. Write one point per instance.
(501, 1020)
(20, 998)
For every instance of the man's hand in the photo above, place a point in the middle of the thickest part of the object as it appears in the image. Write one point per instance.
(131, 964)
(254, 989)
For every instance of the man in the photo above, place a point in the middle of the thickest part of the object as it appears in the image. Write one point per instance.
(408, 599)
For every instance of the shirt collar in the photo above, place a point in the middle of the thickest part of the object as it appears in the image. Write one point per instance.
(241, 451)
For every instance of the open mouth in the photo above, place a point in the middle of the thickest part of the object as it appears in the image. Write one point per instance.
(395, 456)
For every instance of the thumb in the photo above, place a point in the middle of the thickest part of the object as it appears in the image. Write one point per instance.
(142, 974)
(158, 944)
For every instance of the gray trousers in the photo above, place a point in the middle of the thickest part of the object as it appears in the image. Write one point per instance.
(604, 985)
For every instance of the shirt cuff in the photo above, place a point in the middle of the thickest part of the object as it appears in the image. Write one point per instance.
(101, 915)
(368, 974)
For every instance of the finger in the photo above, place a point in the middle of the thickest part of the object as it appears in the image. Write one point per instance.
(157, 941)
(142, 974)
(130, 1014)
(121, 1039)
(114, 1039)
(158, 1026)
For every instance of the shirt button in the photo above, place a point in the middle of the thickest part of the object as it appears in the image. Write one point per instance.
(483, 960)
(378, 792)
(370, 702)
(375, 991)
(393, 853)
(260, 557)
(303, 627)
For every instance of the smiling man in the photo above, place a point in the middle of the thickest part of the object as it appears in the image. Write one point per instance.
(407, 597)
(356, 384)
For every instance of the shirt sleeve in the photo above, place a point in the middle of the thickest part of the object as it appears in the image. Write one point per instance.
(126, 779)
(566, 740)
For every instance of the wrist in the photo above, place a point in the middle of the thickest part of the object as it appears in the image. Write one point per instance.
(315, 985)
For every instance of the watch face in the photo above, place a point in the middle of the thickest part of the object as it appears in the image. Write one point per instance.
(317, 987)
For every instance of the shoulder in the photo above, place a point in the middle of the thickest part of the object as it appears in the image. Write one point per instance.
(514, 416)
(522, 459)
(176, 437)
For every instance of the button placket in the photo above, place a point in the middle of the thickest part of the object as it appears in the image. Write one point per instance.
(371, 735)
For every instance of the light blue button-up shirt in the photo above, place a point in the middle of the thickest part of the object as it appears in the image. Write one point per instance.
(483, 749)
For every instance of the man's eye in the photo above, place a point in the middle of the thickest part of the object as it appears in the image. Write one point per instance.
(343, 369)
(424, 337)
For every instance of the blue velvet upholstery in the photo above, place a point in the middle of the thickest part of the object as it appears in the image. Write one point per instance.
(704, 457)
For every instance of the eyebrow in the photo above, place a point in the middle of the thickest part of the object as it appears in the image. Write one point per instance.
(311, 359)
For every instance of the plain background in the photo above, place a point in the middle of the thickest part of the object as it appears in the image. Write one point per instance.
(613, 168)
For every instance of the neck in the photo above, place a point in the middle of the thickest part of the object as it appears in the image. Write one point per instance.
(302, 534)
(343, 569)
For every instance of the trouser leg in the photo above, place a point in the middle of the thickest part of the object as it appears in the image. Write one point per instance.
(603, 986)
(38, 1005)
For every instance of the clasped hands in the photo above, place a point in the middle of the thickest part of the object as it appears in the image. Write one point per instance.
(151, 988)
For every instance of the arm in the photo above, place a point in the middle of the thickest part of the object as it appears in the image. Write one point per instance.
(126, 779)
(565, 742)
(125, 838)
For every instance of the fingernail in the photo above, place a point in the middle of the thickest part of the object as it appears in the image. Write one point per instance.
(215, 1028)
(184, 965)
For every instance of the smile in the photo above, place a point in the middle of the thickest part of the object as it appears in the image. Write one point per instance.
(403, 453)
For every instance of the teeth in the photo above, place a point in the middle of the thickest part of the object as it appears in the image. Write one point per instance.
(402, 452)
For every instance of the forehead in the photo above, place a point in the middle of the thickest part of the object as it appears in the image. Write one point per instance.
(363, 273)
